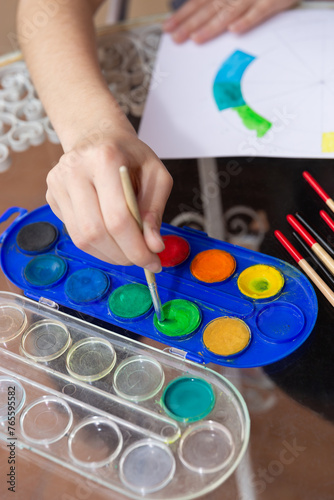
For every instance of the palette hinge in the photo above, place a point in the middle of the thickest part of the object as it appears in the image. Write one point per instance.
(48, 303)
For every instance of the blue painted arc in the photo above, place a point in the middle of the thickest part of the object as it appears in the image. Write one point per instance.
(227, 84)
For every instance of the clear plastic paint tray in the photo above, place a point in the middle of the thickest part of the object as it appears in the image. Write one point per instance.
(223, 303)
(132, 418)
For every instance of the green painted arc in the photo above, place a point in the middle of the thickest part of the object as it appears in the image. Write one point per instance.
(252, 120)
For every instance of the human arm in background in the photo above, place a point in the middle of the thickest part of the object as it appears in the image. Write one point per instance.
(84, 188)
(202, 20)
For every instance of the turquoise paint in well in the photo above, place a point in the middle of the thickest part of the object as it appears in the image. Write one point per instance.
(45, 270)
(188, 399)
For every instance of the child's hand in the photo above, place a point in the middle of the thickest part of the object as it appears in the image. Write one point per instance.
(202, 20)
(84, 188)
(85, 192)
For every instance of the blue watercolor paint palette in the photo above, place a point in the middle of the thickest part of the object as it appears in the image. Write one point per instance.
(276, 325)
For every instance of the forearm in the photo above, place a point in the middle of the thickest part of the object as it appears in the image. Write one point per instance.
(63, 63)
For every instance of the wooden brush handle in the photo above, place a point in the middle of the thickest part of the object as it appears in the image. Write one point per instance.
(131, 201)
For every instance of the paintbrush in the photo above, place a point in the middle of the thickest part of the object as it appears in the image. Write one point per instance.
(132, 204)
(315, 234)
(312, 243)
(323, 287)
(319, 190)
(329, 221)
(315, 259)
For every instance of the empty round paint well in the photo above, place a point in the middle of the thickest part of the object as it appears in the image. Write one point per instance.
(45, 340)
(138, 378)
(86, 285)
(95, 442)
(280, 322)
(90, 359)
(12, 397)
(147, 466)
(45, 270)
(226, 336)
(37, 237)
(206, 447)
(213, 266)
(188, 399)
(260, 281)
(176, 251)
(182, 318)
(46, 420)
(13, 321)
(130, 301)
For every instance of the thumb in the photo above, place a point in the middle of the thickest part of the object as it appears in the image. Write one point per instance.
(151, 231)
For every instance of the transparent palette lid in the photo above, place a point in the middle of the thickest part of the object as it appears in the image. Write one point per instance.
(130, 417)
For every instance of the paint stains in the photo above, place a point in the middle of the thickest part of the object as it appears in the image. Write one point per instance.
(182, 317)
(130, 301)
(213, 266)
(176, 251)
(260, 281)
(226, 336)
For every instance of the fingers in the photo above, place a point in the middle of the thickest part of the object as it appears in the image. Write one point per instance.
(121, 224)
(153, 195)
(87, 195)
(87, 226)
(182, 14)
(194, 21)
(258, 13)
(203, 20)
(82, 227)
(220, 22)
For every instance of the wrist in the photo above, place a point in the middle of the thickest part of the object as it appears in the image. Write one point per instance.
(90, 119)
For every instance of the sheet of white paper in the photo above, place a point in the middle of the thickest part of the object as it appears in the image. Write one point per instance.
(289, 84)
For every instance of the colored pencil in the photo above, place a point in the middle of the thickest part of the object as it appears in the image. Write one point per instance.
(329, 221)
(316, 248)
(315, 259)
(134, 209)
(325, 290)
(314, 233)
(318, 189)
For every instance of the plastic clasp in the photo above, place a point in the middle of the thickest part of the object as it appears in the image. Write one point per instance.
(21, 213)
(48, 302)
(185, 355)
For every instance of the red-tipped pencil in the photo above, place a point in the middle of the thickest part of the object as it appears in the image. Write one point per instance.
(329, 221)
(325, 290)
(312, 243)
(318, 189)
(315, 234)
